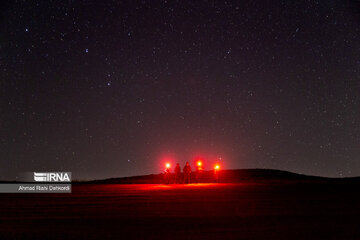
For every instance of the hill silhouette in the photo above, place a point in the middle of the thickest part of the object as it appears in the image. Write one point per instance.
(231, 176)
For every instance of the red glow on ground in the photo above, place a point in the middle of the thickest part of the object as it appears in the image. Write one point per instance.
(135, 189)
(178, 186)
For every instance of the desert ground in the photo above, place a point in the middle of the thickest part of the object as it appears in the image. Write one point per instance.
(249, 210)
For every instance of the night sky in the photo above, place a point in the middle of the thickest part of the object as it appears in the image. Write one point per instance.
(115, 88)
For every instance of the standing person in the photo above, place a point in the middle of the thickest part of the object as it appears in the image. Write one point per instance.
(187, 172)
(177, 173)
(167, 174)
(199, 170)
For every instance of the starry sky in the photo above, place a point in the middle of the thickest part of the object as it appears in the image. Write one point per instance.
(115, 88)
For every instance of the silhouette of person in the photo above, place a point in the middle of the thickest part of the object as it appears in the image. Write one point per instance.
(187, 172)
(177, 173)
(167, 175)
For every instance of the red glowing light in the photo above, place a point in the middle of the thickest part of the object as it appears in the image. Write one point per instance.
(167, 165)
(199, 163)
(217, 167)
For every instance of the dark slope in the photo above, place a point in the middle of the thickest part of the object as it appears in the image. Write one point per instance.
(232, 176)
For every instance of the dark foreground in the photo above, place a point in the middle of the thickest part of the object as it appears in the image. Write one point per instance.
(203, 211)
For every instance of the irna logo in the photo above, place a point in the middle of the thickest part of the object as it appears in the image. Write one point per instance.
(52, 177)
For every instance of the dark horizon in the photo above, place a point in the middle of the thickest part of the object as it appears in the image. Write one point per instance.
(268, 171)
(117, 88)
(208, 171)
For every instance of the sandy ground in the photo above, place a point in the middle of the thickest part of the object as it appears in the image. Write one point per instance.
(195, 211)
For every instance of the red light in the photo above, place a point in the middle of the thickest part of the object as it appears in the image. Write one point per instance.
(167, 165)
(199, 163)
(217, 167)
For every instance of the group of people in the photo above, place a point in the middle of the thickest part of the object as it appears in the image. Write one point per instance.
(177, 174)
(186, 178)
